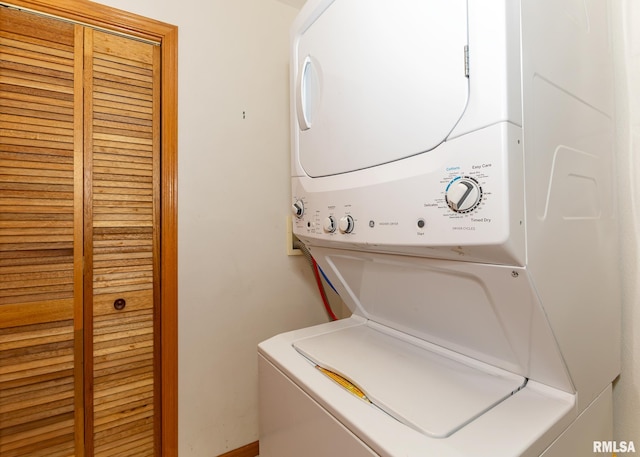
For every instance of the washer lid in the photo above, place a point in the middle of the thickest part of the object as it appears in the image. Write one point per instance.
(433, 391)
(377, 80)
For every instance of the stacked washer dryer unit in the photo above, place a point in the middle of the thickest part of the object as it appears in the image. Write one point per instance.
(453, 177)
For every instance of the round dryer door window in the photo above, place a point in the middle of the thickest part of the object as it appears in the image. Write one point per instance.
(377, 81)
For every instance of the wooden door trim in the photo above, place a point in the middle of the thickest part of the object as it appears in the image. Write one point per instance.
(99, 16)
(104, 17)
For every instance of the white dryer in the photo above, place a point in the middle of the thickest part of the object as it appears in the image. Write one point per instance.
(452, 174)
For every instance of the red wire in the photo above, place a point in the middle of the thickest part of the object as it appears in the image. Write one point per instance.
(316, 273)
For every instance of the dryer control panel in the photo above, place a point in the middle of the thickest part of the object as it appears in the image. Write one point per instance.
(455, 197)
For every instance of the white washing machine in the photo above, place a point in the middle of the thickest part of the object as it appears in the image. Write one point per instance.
(452, 174)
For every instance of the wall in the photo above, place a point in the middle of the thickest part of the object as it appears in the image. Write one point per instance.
(626, 14)
(236, 284)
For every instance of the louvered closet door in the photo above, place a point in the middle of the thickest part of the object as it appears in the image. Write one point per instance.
(122, 154)
(40, 263)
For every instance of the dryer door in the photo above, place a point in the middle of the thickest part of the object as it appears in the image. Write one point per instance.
(377, 80)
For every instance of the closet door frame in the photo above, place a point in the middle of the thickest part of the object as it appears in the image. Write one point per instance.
(111, 19)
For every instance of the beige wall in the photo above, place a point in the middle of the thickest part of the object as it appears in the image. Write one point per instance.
(627, 53)
(237, 286)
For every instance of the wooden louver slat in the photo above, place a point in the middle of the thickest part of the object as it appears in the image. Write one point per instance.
(38, 389)
(124, 148)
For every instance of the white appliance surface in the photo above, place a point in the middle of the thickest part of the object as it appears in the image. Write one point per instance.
(420, 386)
(361, 72)
(403, 206)
(489, 313)
(303, 412)
(453, 175)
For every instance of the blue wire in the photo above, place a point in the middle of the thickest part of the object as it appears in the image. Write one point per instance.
(327, 279)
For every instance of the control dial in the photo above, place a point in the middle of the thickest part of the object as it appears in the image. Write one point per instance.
(330, 224)
(298, 208)
(463, 194)
(346, 224)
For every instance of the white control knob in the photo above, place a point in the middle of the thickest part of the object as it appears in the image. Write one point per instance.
(298, 208)
(330, 224)
(346, 224)
(463, 194)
